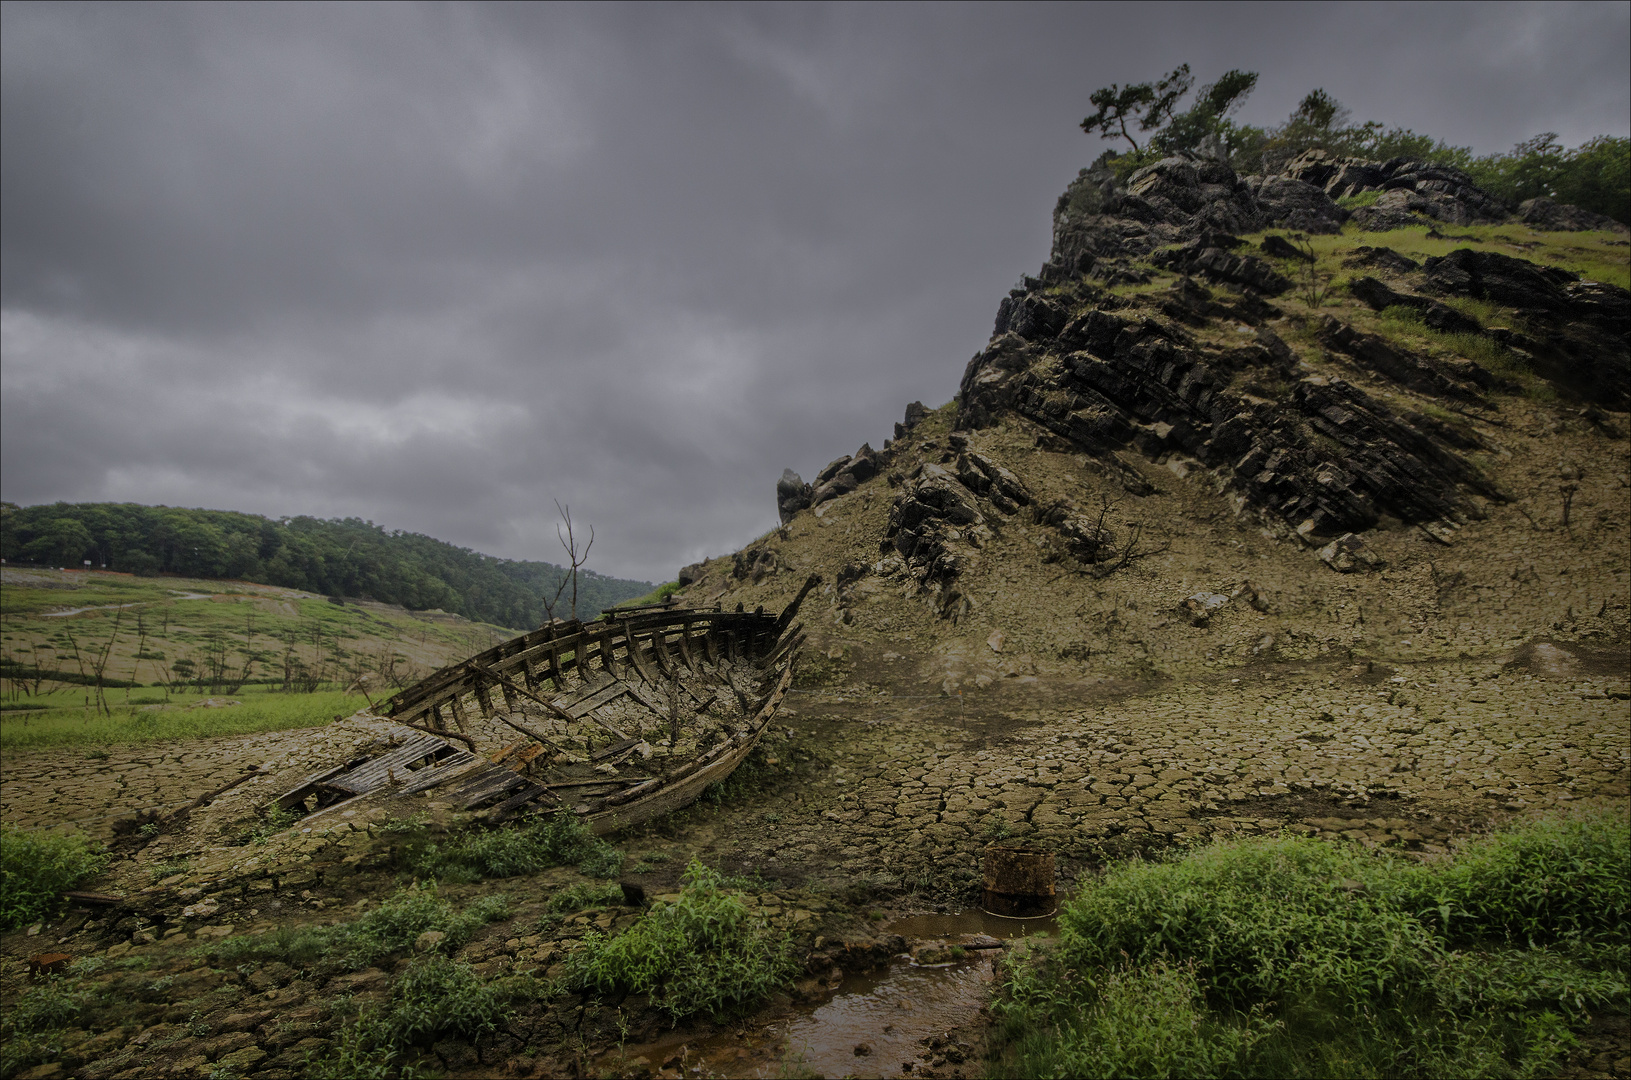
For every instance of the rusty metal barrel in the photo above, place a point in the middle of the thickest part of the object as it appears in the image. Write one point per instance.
(1018, 882)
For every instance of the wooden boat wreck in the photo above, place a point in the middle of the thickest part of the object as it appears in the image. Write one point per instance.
(618, 720)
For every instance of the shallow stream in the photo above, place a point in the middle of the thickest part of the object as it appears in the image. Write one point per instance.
(898, 1021)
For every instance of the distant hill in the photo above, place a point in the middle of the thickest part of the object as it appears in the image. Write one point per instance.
(349, 557)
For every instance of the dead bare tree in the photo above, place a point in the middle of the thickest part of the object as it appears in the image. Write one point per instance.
(569, 541)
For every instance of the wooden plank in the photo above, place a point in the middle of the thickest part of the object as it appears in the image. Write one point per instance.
(647, 698)
(488, 789)
(659, 649)
(615, 748)
(484, 699)
(302, 790)
(445, 771)
(511, 702)
(710, 648)
(526, 795)
(517, 725)
(637, 655)
(457, 706)
(583, 706)
(685, 647)
(608, 662)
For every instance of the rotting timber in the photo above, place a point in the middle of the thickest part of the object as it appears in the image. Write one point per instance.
(618, 720)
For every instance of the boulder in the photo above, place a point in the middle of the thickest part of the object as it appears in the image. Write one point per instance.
(1549, 216)
(1217, 264)
(792, 495)
(1380, 258)
(1296, 204)
(1281, 248)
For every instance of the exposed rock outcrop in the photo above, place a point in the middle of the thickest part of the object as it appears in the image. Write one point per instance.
(1543, 213)
(844, 475)
(1584, 324)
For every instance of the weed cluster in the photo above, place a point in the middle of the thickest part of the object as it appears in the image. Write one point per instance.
(37, 867)
(584, 895)
(1296, 957)
(432, 999)
(560, 840)
(701, 954)
(389, 929)
(31, 1027)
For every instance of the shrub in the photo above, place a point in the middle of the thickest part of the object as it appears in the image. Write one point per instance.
(1151, 1022)
(36, 868)
(437, 997)
(1296, 957)
(702, 954)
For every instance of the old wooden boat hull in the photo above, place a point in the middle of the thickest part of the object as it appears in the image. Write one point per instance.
(616, 721)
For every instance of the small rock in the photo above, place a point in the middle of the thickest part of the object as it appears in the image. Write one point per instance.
(428, 941)
(1348, 553)
(201, 910)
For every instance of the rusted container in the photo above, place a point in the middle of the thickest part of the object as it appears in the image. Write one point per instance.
(1018, 882)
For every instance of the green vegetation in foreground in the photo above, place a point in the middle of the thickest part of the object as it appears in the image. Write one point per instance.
(348, 557)
(559, 840)
(432, 999)
(704, 953)
(68, 723)
(1294, 957)
(36, 868)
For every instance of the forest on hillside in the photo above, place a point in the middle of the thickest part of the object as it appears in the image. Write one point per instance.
(349, 558)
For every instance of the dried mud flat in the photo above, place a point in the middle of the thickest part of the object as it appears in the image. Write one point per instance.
(880, 804)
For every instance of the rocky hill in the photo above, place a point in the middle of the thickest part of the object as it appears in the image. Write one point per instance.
(1192, 442)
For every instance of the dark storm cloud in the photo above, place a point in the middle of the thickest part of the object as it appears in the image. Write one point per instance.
(440, 265)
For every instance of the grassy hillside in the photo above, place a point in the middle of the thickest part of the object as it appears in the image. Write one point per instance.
(160, 646)
(349, 558)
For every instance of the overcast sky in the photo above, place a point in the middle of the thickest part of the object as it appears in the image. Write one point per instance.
(438, 266)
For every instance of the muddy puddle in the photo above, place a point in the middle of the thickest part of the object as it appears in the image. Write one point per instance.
(910, 1016)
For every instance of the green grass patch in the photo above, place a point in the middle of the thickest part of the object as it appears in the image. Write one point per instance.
(37, 867)
(559, 840)
(656, 596)
(386, 931)
(702, 954)
(1294, 957)
(584, 895)
(1359, 199)
(65, 721)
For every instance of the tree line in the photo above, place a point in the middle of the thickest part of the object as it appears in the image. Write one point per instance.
(343, 557)
(1161, 117)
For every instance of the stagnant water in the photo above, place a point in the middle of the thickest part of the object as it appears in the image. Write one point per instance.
(892, 1022)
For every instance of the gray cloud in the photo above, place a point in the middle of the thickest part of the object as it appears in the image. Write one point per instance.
(441, 265)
